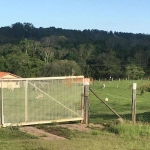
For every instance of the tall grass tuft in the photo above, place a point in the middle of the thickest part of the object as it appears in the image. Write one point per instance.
(130, 131)
(13, 133)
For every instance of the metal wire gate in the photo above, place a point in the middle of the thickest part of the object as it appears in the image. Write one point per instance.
(27, 101)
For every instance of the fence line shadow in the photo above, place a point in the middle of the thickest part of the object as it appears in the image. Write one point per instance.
(142, 117)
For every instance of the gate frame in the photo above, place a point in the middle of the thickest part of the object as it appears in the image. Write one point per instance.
(84, 102)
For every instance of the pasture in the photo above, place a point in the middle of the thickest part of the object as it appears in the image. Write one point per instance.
(118, 137)
(119, 94)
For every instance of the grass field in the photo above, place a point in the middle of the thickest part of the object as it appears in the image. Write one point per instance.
(113, 137)
(119, 94)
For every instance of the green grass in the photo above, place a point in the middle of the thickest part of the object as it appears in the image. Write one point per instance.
(117, 137)
(114, 136)
(130, 131)
(13, 133)
(119, 94)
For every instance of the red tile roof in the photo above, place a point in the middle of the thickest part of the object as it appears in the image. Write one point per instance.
(2, 74)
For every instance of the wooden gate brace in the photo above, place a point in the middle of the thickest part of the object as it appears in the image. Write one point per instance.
(105, 103)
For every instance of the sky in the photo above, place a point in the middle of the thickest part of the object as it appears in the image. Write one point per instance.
(132, 16)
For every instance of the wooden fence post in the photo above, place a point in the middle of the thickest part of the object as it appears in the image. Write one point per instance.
(86, 103)
(134, 103)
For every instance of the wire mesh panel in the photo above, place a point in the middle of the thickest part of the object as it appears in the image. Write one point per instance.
(37, 100)
(13, 97)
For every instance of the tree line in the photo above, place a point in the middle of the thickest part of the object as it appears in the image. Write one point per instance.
(28, 51)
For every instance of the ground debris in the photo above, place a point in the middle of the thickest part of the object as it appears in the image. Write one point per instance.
(82, 127)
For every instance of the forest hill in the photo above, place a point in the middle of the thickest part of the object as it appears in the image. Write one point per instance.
(28, 51)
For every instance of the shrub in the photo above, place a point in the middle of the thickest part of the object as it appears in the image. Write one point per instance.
(145, 88)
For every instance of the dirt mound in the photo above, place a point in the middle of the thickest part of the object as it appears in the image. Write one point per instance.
(40, 133)
(48, 136)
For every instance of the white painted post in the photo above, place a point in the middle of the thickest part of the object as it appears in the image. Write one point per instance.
(26, 100)
(134, 103)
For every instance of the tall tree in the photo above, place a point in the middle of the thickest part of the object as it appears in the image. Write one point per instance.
(60, 68)
(17, 30)
(134, 72)
(109, 64)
